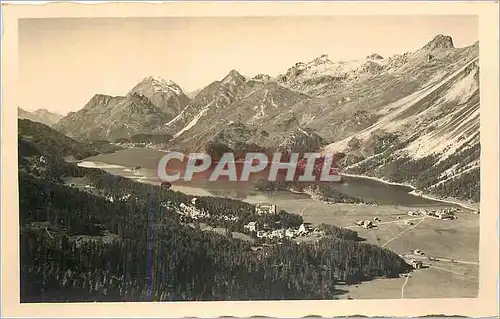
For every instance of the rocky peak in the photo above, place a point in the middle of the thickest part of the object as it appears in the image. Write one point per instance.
(439, 42)
(321, 59)
(374, 56)
(98, 100)
(233, 77)
(262, 77)
(158, 84)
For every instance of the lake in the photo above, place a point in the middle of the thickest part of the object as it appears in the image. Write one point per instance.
(123, 162)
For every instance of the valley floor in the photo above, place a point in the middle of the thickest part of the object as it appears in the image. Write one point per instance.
(454, 243)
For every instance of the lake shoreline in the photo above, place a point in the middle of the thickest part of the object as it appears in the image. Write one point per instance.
(415, 192)
(406, 188)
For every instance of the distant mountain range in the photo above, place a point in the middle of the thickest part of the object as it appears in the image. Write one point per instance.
(41, 116)
(419, 109)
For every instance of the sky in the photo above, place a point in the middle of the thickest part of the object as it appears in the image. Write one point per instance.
(64, 62)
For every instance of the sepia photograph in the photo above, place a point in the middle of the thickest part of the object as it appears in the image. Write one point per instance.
(248, 158)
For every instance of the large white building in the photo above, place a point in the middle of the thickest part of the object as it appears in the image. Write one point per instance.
(265, 209)
(251, 226)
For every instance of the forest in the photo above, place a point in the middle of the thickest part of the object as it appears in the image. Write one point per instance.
(158, 258)
(146, 138)
(40, 138)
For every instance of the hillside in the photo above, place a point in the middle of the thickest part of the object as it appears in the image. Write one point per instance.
(41, 116)
(39, 139)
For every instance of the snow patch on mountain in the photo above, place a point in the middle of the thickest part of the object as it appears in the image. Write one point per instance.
(194, 120)
(463, 89)
(390, 122)
(161, 85)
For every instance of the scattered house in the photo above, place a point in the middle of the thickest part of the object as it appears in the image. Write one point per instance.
(265, 209)
(193, 201)
(399, 217)
(413, 214)
(305, 228)
(125, 197)
(43, 160)
(418, 252)
(302, 229)
(166, 185)
(444, 214)
(417, 264)
(368, 224)
(359, 223)
(290, 233)
(251, 226)
(194, 213)
(261, 234)
(409, 223)
(376, 219)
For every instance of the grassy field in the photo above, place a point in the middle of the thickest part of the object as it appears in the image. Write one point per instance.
(448, 240)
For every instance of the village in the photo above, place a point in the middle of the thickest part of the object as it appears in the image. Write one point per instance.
(255, 229)
(265, 231)
(442, 214)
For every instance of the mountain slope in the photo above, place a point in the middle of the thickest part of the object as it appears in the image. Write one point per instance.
(107, 117)
(150, 103)
(431, 136)
(39, 139)
(41, 116)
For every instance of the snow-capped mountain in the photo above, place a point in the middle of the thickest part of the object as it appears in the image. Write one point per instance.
(165, 94)
(41, 116)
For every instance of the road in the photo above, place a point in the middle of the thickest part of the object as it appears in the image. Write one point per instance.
(403, 287)
(448, 270)
(404, 231)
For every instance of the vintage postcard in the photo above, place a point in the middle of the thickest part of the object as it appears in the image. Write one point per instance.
(249, 159)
